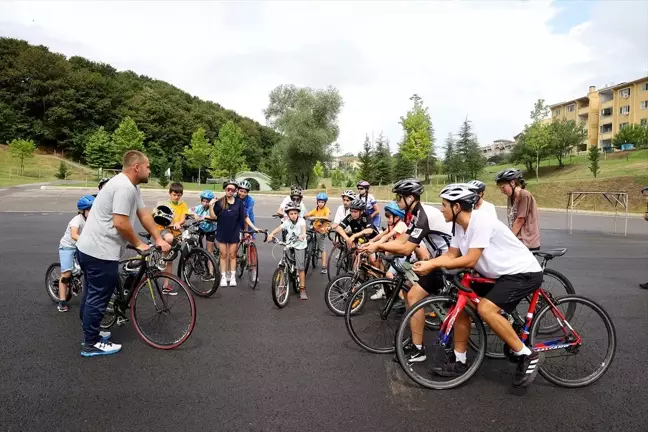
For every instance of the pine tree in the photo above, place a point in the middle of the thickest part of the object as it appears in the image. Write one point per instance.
(366, 161)
(382, 172)
(452, 161)
(473, 161)
(403, 168)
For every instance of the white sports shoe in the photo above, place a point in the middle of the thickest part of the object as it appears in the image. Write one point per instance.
(223, 281)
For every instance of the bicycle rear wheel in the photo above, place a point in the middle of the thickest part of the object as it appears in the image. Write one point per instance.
(252, 265)
(308, 253)
(163, 321)
(562, 346)
(52, 276)
(280, 287)
(199, 270)
(437, 353)
(337, 293)
(240, 260)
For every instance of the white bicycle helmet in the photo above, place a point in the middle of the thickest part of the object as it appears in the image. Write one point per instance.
(292, 206)
(349, 194)
(477, 185)
(460, 192)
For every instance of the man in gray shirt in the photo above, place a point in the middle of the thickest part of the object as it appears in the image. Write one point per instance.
(107, 231)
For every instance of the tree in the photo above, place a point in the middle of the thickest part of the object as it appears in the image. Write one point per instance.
(99, 152)
(63, 171)
(382, 161)
(564, 135)
(227, 157)
(467, 147)
(366, 157)
(452, 164)
(127, 137)
(337, 178)
(537, 136)
(523, 154)
(198, 155)
(403, 167)
(177, 171)
(318, 172)
(594, 156)
(307, 121)
(418, 134)
(22, 150)
(274, 166)
(632, 134)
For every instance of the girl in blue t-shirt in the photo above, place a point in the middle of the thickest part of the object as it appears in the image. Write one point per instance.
(202, 212)
(372, 209)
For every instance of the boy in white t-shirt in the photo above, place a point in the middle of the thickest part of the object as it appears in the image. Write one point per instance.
(482, 205)
(67, 248)
(488, 246)
(295, 228)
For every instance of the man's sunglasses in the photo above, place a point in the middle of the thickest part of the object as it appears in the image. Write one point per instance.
(361, 188)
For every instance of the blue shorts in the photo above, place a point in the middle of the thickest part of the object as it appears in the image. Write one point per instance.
(66, 257)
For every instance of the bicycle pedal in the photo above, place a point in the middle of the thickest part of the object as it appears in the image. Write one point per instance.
(121, 321)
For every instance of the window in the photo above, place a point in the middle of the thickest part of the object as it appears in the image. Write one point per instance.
(606, 128)
(644, 104)
(606, 112)
(557, 112)
(625, 110)
(644, 122)
(622, 125)
(645, 87)
(570, 108)
(625, 93)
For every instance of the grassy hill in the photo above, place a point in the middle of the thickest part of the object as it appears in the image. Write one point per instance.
(41, 168)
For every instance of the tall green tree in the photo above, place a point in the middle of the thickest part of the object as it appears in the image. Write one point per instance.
(452, 163)
(22, 150)
(403, 167)
(127, 137)
(198, 153)
(594, 156)
(227, 157)
(382, 161)
(632, 134)
(366, 157)
(564, 135)
(522, 153)
(467, 147)
(307, 120)
(99, 152)
(337, 178)
(418, 133)
(274, 166)
(537, 135)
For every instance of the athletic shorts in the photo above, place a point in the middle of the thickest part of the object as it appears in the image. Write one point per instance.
(509, 290)
(431, 282)
(66, 257)
(321, 238)
(209, 236)
(300, 259)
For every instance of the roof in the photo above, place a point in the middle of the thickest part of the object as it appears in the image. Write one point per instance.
(582, 98)
(626, 84)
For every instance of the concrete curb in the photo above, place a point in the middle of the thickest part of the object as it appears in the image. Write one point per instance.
(197, 193)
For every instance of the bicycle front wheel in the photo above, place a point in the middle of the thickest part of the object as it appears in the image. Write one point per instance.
(199, 270)
(252, 266)
(428, 372)
(337, 293)
(582, 347)
(163, 321)
(240, 260)
(334, 261)
(280, 287)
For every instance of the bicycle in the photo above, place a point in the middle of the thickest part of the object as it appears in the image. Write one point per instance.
(285, 275)
(194, 260)
(140, 280)
(53, 275)
(247, 258)
(338, 262)
(569, 339)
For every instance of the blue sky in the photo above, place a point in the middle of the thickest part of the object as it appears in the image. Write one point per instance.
(571, 13)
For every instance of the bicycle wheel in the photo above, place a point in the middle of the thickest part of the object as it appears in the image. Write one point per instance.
(198, 270)
(280, 288)
(557, 285)
(333, 262)
(252, 265)
(436, 351)
(240, 260)
(559, 348)
(52, 276)
(337, 293)
(307, 257)
(363, 315)
(163, 321)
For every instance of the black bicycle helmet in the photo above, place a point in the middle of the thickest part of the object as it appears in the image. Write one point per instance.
(102, 182)
(291, 205)
(408, 187)
(296, 191)
(477, 185)
(508, 175)
(358, 204)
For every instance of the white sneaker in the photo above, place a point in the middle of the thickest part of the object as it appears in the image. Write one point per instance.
(379, 294)
(223, 281)
(232, 281)
(103, 347)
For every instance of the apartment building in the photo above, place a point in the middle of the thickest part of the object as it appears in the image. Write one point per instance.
(606, 111)
(497, 147)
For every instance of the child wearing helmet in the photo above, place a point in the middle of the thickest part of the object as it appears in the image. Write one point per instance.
(243, 192)
(522, 209)
(372, 209)
(67, 247)
(358, 223)
(482, 205)
(201, 212)
(296, 195)
(343, 210)
(321, 227)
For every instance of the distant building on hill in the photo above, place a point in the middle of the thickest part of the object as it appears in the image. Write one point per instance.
(497, 148)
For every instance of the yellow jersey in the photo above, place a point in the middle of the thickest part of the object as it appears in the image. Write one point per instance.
(319, 212)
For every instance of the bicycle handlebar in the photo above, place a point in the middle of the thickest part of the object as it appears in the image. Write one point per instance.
(147, 252)
(263, 231)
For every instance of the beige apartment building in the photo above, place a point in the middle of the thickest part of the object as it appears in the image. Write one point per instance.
(606, 111)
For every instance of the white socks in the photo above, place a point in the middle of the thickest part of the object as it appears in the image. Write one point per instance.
(524, 351)
(460, 356)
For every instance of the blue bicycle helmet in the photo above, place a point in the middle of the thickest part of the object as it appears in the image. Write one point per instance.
(207, 194)
(85, 203)
(322, 197)
(393, 208)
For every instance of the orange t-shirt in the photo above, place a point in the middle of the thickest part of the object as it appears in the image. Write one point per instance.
(319, 212)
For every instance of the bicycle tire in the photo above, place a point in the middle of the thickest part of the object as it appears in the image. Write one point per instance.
(252, 265)
(427, 383)
(333, 259)
(183, 291)
(361, 296)
(240, 261)
(206, 258)
(280, 292)
(611, 333)
(307, 257)
(49, 287)
(329, 292)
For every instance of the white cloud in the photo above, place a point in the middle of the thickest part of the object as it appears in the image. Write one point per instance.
(487, 61)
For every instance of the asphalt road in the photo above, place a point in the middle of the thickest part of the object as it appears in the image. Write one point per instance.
(251, 367)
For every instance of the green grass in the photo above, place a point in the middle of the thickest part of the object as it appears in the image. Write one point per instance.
(40, 168)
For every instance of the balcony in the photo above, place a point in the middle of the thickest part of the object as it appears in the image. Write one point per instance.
(583, 111)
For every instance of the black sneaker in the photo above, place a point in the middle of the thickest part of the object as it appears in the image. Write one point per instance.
(527, 369)
(413, 354)
(451, 368)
